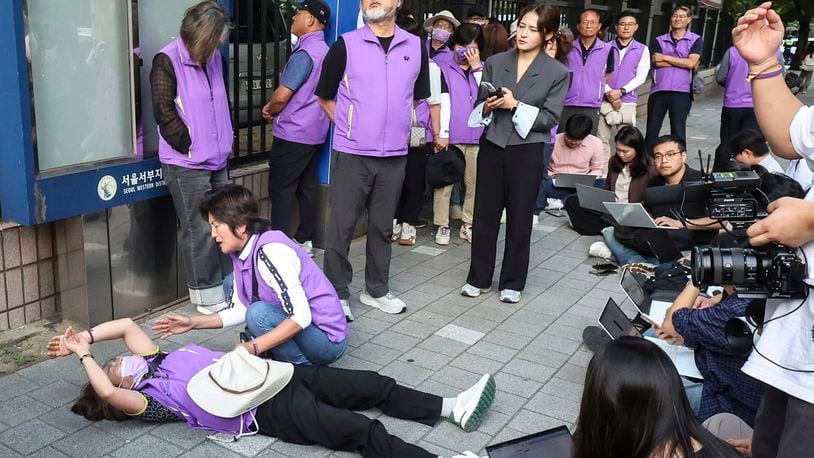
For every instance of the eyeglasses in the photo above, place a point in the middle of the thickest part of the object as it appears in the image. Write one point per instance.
(668, 156)
(624, 25)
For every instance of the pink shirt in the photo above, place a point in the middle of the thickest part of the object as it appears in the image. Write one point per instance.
(587, 159)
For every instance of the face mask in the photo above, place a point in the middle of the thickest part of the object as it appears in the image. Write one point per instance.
(440, 35)
(461, 54)
(135, 366)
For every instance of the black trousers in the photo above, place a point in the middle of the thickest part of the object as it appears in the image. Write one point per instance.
(584, 220)
(678, 105)
(783, 426)
(507, 178)
(293, 173)
(733, 120)
(316, 408)
(415, 181)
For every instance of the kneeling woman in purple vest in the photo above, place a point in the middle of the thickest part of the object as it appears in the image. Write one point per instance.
(290, 309)
(312, 405)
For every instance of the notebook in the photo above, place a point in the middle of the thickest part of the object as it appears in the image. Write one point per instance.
(571, 180)
(633, 215)
(592, 198)
(652, 311)
(551, 443)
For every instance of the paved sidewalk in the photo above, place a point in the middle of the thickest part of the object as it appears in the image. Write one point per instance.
(441, 345)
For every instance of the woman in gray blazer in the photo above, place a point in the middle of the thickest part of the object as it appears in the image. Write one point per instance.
(510, 164)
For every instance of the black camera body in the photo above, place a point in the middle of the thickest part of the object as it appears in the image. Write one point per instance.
(771, 271)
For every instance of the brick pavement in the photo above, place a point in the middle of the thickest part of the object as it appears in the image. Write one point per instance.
(440, 345)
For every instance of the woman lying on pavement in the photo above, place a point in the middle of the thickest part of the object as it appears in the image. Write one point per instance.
(312, 406)
(290, 308)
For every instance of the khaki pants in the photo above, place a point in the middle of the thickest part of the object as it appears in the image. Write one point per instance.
(607, 132)
(440, 201)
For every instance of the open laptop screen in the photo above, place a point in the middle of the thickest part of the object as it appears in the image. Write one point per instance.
(614, 321)
(635, 291)
(552, 443)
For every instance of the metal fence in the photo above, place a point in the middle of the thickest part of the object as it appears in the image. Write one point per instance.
(259, 47)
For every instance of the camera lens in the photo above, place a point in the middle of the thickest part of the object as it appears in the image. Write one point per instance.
(701, 262)
(727, 266)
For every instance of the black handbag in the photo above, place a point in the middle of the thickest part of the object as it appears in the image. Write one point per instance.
(445, 167)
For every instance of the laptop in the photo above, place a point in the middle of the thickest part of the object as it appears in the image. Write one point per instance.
(551, 443)
(652, 311)
(571, 180)
(614, 321)
(633, 215)
(592, 198)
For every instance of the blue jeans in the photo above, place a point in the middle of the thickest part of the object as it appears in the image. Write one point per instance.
(310, 346)
(623, 253)
(540, 203)
(692, 388)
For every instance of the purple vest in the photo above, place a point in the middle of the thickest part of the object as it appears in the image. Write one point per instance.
(326, 311)
(444, 54)
(738, 91)
(463, 92)
(588, 81)
(302, 119)
(625, 68)
(674, 78)
(203, 106)
(374, 102)
(169, 388)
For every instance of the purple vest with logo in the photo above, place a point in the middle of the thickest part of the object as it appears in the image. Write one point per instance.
(202, 105)
(738, 91)
(625, 68)
(674, 78)
(588, 81)
(374, 102)
(302, 119)
(463, 92)
(326, 311)
(169, 388)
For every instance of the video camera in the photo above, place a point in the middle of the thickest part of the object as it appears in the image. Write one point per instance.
(771, 271)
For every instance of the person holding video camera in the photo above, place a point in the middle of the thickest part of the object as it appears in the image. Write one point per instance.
(783, 358)
(518, 116)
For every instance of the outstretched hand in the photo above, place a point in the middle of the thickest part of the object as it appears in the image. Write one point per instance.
(758, 35)
(76, 342)
(57, 347)
(172, 325)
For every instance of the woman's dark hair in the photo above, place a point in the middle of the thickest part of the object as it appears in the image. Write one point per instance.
(747, 139)
(548, 22)
(465, 34)
(406, 21)
(94, 408)
(495, 40)
(634, 404)
(234, 206)
(632, 138)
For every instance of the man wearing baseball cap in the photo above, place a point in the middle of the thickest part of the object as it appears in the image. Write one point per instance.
(300, 126)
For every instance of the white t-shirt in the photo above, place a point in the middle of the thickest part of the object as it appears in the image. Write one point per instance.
(789, 341)
(770, 163)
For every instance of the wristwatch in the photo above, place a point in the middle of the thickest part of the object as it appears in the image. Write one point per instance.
(623, 91)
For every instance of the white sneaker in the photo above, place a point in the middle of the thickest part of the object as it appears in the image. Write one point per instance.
(387, 303)
(346, 309)
(468, 454)
(503, 217)
(553, 204)
(396, 231)
(472, 291)
(466, 232)
(535, 219)
(456, 212)
(509, 295)
(600, 249)
(442, 235)
(308, 246)
(471, 405)
(408, 234)
(210, 309)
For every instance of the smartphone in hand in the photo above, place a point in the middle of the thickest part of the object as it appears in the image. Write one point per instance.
(491, 90)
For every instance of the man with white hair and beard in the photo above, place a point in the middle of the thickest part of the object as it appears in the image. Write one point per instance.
(371, 78)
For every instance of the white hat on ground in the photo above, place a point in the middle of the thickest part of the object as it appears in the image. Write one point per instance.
(445, 14)
(237, 383)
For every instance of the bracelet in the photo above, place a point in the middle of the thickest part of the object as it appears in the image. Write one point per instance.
(254, 344)
(86, 355)
(763, 74)
(90, 333)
